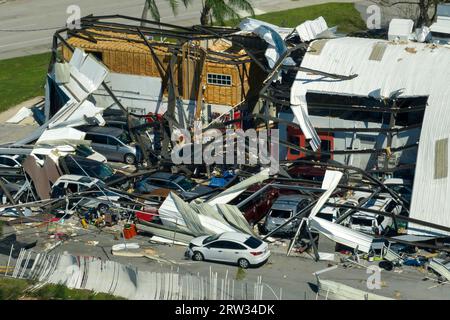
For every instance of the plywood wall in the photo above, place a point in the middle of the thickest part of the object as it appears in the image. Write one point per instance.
(136, 59)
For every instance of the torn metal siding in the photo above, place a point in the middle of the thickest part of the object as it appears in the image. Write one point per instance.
(192, 218)
(64, 135)
(342, 235)
(42, 177)
(410, 70)
(311, 29)
(337, 291)
(235, 217)
(234, 191)
(85, 75)
(140, 94)
(174, 212)
(330, 182)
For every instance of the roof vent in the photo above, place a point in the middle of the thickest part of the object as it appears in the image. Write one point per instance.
(400, 29)
(378, 51)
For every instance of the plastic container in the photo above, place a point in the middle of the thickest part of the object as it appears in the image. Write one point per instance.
(129, 231)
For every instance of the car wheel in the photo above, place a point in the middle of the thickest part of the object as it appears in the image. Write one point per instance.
(243, 263)
(130, 159)
(102, 209)
(197, 256)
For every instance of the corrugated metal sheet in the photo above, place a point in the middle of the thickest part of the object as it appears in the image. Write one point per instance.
(337, 291)
(233, 191)
(411, 69)
(309, 30)
(341, 234)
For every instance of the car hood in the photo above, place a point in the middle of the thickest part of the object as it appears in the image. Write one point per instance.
(198, 241)
(199, 190)
(276, 220)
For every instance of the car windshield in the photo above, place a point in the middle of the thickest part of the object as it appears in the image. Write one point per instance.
(362, 222)
(84, 151)
(253, 243)
(124, 137)
(211, 238)
(102, 171)
(285, 214)
(186, 184)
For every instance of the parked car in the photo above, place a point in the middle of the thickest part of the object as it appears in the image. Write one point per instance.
(98, 197)
(75, 165)
(402, 186)
(284, 208)
(231, 247)
(182, 185)
(373, 223)
(114, 143)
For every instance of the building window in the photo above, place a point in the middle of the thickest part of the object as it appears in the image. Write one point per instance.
(219, 79)
(441, 159)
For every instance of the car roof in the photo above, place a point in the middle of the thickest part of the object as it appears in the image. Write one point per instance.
(14, 156)
(234, 236)
(166, 176)
(77, 178)
(111, 131)
(288, 202)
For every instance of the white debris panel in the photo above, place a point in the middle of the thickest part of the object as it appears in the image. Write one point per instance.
(21, 115)
(234, 191)
(408, 70)
(78, 80)
(273, 35)
(313, 29)
(341, 234)
(61, 135)
(330, 182)
(337, 291)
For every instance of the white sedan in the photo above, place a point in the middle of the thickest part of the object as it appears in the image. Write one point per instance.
(231, 247)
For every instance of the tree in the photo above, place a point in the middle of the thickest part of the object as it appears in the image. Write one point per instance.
(427, 9)
(221, 10)
(151, 6)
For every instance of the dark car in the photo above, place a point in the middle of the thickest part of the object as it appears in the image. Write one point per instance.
(76, 165)
(182, 185)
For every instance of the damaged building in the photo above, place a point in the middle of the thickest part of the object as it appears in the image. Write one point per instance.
(363, 141)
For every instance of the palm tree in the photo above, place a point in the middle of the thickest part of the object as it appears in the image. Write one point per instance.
(151, 6)
(219, 10)
(222, 10)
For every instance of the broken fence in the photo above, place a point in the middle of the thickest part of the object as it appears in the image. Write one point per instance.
(90, 273)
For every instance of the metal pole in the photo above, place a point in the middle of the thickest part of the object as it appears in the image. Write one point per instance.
(9, 259)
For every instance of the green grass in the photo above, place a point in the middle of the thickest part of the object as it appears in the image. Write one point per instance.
(343, 15)
(13, 289)
(22, 79)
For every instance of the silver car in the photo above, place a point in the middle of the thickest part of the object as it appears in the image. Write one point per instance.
(114, 143)
(284, 208)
